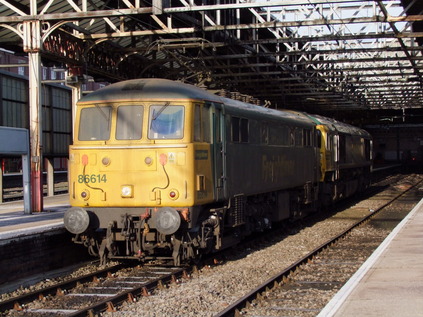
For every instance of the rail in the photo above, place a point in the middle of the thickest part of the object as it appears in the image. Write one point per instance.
(11, 185)
(280, 278)
(101, 300)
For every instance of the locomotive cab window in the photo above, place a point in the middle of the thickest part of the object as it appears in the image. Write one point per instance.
(307, 138)
(202, 123)
(279, 135)
(367, 149)
(239, 130)
(264, 133)
(94, 123)
(298, 135)
(166, 122)
(318, 139)
(129, 122)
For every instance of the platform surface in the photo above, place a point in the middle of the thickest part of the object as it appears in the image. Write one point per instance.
(390, 282)
(14, 222)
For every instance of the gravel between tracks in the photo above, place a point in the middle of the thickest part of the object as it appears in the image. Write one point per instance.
(217, 287)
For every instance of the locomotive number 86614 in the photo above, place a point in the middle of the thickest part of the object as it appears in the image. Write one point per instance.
(160, 170)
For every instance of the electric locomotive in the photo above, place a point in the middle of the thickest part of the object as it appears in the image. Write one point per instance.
(164, 171)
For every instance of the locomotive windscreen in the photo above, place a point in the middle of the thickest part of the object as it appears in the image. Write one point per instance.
(166, 122)
(95, 123)
(129, 122)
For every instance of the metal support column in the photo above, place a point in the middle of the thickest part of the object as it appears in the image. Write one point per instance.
(27, 188)
(32, 44)
(50, 176)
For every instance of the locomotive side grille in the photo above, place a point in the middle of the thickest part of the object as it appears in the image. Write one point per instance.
(237, 212)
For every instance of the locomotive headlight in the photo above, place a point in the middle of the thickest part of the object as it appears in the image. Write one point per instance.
(173, 194)
(127, 191)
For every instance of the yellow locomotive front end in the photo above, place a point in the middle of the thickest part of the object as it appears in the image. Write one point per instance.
(136, 178)
(125, 168)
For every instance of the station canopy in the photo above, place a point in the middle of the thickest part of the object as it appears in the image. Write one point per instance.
(342, 58)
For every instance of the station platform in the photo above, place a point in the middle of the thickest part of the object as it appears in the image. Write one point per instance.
(34, 245)
(14, 223)
(390, 282)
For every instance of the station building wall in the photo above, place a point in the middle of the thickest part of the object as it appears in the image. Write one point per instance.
(56, 117)
(398, 143)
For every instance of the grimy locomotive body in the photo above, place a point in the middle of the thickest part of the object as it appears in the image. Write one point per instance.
(160, 170)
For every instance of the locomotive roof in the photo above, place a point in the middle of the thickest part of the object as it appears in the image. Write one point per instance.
(162, 89)
(333, 124)
(151, 88)
(342, 127)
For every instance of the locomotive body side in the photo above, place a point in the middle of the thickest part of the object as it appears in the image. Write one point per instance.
(279, 151)
(272, 162)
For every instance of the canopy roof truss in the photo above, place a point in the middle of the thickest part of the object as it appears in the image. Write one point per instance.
(313, 55)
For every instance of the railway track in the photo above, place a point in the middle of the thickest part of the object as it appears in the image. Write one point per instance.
(16, 193)
(95, 292)
(18, 303)
(322, 272)
(112, 298)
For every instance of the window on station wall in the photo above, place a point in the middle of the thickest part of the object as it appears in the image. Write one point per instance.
(14, 103)
(61, 105)
(239, 129)
(21, 70)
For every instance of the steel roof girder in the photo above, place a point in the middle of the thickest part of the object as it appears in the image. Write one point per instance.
(71, 16)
